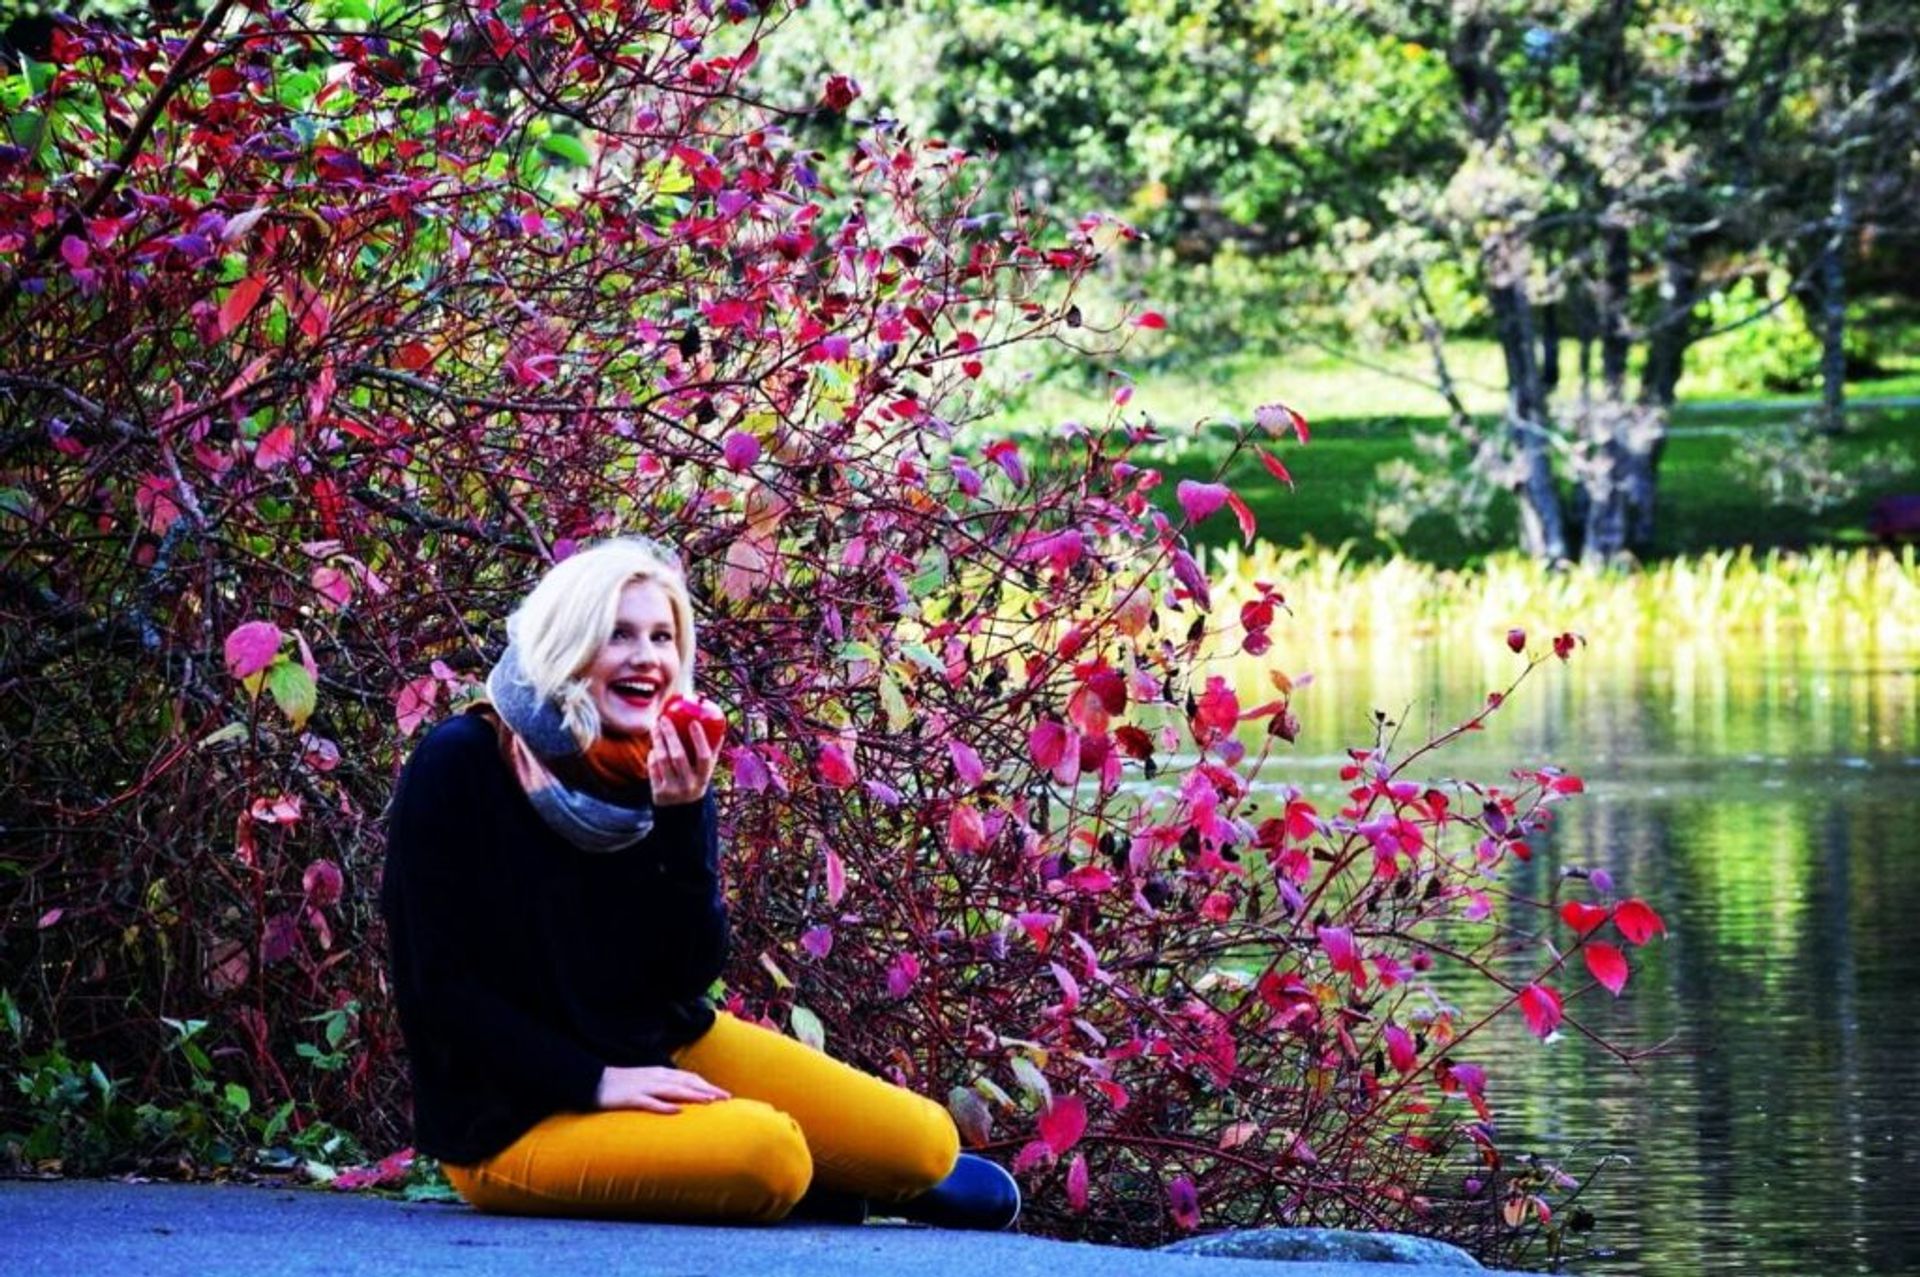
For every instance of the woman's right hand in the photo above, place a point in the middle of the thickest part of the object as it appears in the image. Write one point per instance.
(656, 1090)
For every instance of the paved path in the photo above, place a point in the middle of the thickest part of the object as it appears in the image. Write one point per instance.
(77, 1228)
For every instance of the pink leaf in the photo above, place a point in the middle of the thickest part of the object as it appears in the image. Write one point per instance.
(1275, 417)
(817, 941)
(276, 449)
(1077, 1184)
(836, 877)
(251, 648)
(1189, 574)
(1343, 953)
(48, 918)
(740, 450)
(1638, 922)
(1608, 965)
(414, 703)
(1400, 1050)
(323, 883)
(1542, 1008)
(1183, 1199)
(1062, 1125)
(1090, 878)
(901, 973)
(966, 764)
(1047, 744)
(333, 585)
(1199, 500)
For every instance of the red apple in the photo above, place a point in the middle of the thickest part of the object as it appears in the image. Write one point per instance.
(685, 712)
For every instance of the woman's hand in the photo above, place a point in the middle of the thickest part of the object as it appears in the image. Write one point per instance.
(676, 776)
(656, 1090)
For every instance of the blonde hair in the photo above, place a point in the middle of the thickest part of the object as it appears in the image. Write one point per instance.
(564, 622)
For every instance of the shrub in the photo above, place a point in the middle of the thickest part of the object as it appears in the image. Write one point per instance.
(323, 336)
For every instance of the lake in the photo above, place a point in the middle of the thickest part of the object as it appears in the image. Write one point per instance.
(1766, 799)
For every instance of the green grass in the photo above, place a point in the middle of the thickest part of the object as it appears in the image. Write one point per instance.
(1363, 417)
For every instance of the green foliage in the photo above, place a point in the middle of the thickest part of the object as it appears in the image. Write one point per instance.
(68, 1114)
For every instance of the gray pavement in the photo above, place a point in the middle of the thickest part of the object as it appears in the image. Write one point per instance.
(63, 1227)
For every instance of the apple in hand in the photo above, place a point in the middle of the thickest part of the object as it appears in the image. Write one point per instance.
(687, 713)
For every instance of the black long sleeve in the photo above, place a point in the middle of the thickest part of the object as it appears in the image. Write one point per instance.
(522, 965)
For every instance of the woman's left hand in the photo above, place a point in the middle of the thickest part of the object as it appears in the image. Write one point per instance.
(676, 776)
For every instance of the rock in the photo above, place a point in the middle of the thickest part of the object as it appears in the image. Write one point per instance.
(1325, 1245)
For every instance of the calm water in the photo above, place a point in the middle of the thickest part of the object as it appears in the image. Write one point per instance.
(1768, 803)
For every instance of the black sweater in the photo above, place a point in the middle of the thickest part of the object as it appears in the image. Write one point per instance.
(522, 966)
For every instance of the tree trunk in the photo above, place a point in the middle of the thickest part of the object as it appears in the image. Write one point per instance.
(1611, 307)
(1542, 529)
(1833, 308)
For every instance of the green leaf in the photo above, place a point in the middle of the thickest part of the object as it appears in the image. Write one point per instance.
(807, 1028)
(898, 715)
(855, 650)
(238, 1099)
(292, 690)
(1032, 1081)
(231, 734)
(568, 147)
(277, 1123)
(923, 656)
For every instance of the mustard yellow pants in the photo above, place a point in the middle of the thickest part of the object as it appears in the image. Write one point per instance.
(796, 1119)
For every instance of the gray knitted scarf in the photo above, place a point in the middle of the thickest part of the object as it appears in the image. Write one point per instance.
(589, 823)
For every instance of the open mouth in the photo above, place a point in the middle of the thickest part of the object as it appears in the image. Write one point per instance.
(635, 692)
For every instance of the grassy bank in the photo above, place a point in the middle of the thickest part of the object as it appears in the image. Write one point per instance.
(1364, 417)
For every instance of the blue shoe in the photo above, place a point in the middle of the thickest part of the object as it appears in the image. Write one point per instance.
(977, 1194)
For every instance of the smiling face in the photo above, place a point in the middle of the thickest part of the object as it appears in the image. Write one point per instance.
(635, 670)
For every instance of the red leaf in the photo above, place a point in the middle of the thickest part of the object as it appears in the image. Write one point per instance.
(1077, 1184)
(1567, 785)
(1516, 639)
(1219, 708)
(1063, 1123)
(1582, 917)
(1133, 742)
(965, 830)
(241, 300)
(1151, 319)
(323, 883)
(836, 766)
(252, 647)
(1274, 468)
(1638, 922)
(1608, 965)
(1542, 1008)
(1243, 515)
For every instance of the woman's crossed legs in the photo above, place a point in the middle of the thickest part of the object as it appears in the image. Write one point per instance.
(797, 1119)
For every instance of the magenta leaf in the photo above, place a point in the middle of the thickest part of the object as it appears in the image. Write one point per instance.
(251, 647)
(1062, 1125)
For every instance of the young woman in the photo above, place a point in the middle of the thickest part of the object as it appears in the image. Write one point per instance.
(552, 897)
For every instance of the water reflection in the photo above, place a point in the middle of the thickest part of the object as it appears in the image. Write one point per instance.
(1766, 801)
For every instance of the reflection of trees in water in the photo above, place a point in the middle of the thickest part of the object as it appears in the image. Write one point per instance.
(1763, 802)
